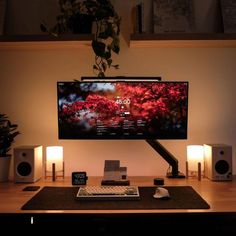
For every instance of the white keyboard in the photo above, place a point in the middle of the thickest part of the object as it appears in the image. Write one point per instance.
(107, 192)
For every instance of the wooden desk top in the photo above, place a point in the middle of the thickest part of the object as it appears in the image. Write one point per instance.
(221, 196)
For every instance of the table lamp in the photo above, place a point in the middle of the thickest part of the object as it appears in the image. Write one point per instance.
(194, 164)
(54, 162)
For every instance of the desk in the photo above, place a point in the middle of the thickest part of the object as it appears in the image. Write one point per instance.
(221, 196)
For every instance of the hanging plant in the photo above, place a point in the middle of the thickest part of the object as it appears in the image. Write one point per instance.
(77, 17)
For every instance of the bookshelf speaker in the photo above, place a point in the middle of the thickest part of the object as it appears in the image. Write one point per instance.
(218, 162)
(28, 163)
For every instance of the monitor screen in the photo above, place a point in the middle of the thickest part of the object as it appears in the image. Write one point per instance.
(122, 110)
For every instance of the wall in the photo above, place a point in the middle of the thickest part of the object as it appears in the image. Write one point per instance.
(23, 17)
(28, 95)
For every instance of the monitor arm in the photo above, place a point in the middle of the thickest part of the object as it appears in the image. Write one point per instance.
(173, 162)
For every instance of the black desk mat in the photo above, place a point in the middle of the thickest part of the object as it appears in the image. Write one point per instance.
(63, 198)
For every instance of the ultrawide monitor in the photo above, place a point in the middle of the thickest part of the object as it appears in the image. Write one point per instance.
(122, 110)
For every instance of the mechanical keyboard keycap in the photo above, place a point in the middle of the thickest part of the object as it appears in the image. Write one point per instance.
(108, 193)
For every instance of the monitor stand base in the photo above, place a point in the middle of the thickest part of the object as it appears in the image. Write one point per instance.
(178, 176)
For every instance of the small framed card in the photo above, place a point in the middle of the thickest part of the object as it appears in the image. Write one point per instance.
(228, 10)
(175, 16)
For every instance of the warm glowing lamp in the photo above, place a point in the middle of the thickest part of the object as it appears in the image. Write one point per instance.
(54, 161)
(195, 156)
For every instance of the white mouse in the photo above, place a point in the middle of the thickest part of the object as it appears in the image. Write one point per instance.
(161, 193)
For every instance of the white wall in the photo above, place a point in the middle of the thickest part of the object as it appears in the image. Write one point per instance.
(28, 95)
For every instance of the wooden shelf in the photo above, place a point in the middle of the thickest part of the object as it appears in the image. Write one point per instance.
(182, 40)
(23, 42)
(73, 41)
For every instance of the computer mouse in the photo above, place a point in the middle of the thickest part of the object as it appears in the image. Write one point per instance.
(162, 193)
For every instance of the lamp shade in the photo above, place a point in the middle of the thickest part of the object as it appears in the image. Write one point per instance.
(54, 154)
(195, 154)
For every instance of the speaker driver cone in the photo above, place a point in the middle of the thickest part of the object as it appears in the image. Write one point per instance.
(24, 169)
(222, 167)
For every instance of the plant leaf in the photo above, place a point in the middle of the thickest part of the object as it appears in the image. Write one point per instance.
(98, 48)
(109, 62)
(116, 49)
(101, 75)
(104, 66)
(43, 27)
(116, 66)
(107, 55)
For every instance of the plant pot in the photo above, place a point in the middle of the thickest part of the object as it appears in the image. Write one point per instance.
(4, 168)
(81, 24)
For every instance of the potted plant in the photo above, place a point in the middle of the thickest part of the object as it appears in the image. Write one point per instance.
(77, 16)
(8, 132)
